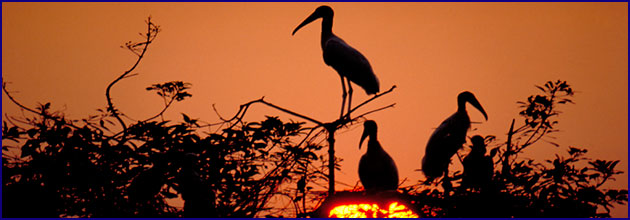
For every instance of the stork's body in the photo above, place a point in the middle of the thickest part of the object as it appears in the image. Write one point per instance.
(449, 137)
(349, 63)
(377, 170)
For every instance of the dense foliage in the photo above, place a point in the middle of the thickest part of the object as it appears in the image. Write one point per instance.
(66, 169)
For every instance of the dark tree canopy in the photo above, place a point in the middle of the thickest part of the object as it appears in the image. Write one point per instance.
(89, 168)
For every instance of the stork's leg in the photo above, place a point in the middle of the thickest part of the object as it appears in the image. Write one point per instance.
(350, 97)
(343, 96)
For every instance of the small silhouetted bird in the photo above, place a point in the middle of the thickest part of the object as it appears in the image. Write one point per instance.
(449, 137)
(377, 170)
(347, 61)
(478, 168)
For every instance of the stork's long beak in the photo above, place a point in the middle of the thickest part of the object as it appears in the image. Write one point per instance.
(473, 101)
(363, 136)
(308, 20)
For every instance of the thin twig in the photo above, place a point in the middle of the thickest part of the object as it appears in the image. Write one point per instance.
(308, 134)
(161, 112)
(369, 100)
(241, 108)
(42, 113)
(152, 31)
(375, 110)
(292, 112)
(4, 88)
(244, 107)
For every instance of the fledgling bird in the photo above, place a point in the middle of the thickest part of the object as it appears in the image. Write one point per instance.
(449, 137)
(377, 170)
(349, 63)
(478, 168)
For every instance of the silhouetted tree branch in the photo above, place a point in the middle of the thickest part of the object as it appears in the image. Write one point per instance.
(330, 127)
(173, 91)
(369, 100)
(43, 109)
(139, 49)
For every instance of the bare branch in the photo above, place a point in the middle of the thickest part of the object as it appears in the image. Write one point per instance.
(243, 109)
(375, 110)
(329, 127)
(4, 88)
(292, 112)
(369, 100)
(23, 107)
(308, 135)
(152, 31)
(161, 112)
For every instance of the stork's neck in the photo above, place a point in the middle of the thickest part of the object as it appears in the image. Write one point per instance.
(326, 29)
(374, 146)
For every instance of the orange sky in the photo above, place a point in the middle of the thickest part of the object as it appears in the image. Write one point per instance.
(232, 53)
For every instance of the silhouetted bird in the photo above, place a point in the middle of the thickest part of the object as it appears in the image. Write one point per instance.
(377, 170)
(348, 62)
(449, 137)
(478, 168)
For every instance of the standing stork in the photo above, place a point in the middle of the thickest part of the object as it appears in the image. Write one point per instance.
(349, 63)
(449, 137)
(377, 170)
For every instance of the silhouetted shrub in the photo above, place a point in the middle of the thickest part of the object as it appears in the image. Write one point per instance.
(59, 167)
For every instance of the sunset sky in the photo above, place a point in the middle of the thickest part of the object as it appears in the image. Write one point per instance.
(232, 53)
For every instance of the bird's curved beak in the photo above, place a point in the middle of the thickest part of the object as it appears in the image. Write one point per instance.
(308, 20)
(363, 136)
(473, 101)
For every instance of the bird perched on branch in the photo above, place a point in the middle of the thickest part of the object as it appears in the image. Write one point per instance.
(347, 61)
(449, 137)
(377, 170)
(478, 168)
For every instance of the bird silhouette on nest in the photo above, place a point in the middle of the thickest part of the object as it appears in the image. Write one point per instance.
(478, 168)
(377, 170)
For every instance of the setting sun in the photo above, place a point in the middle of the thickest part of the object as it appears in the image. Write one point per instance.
(394, 210)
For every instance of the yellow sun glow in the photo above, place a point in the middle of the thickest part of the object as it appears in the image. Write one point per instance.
(395, 210)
